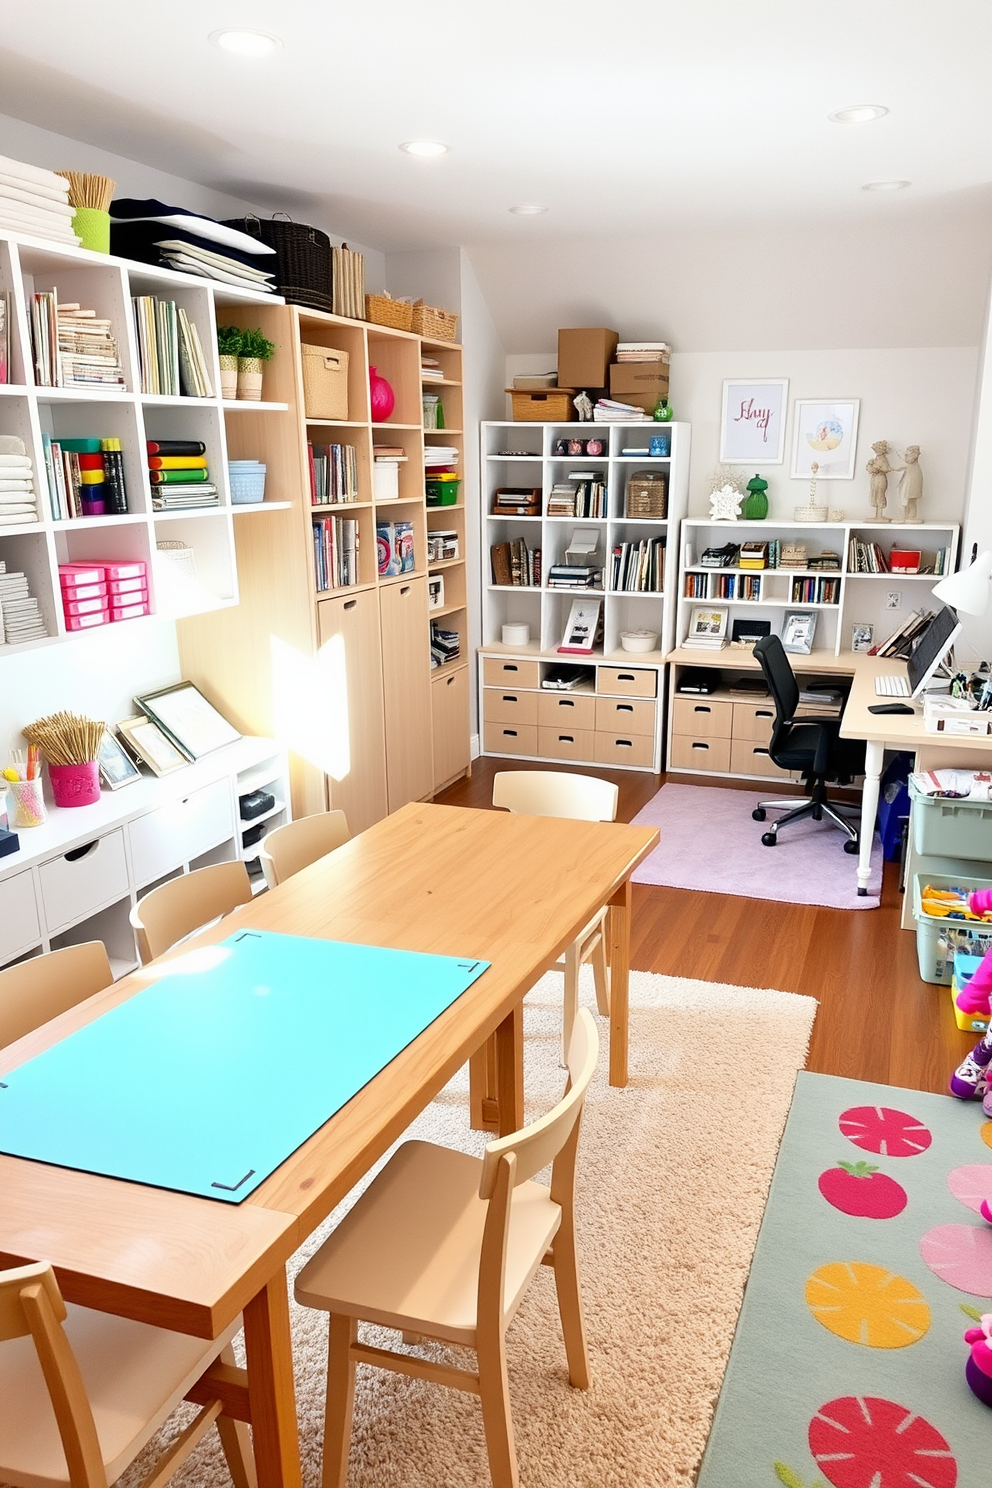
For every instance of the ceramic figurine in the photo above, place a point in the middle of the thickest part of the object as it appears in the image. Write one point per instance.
(725, 504)
(583, 407)
(756, 503)
(911, 484)
(662, 411)
(878, 468)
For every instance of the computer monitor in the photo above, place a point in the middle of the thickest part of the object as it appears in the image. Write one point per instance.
(931, 647)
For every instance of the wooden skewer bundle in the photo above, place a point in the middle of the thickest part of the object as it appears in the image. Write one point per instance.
(66, 738)
(85, 190)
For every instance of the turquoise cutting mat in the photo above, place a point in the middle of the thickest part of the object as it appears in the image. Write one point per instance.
(207, 1080)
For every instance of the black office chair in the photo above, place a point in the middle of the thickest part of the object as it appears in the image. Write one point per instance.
(811, 745)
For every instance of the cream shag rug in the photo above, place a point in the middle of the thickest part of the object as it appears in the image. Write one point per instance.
(674, 1171)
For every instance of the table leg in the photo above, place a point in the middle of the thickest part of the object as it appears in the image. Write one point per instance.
(275, 1434)
(874, 755)
(510, 1071)
(482, 1099)
(619, 940)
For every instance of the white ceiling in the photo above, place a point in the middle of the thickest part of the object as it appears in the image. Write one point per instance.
(620, 117)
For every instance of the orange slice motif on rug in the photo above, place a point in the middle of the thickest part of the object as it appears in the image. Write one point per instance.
(985, 1132)
(884, 1130)
(867, 1304)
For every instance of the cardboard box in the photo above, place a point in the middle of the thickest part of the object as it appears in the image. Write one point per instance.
(639, 383)
(584, 357)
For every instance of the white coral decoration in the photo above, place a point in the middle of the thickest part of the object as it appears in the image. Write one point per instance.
(725, 504)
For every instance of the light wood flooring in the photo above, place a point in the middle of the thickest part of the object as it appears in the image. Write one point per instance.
(876, 1021)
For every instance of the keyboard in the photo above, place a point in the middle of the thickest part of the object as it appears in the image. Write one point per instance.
(891, 685)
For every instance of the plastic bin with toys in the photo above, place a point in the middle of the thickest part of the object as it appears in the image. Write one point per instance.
(945, 925)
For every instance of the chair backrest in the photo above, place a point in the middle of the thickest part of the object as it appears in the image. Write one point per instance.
(300, 843)
(556, 793)
(177, 908)
(782, 684)
(540, 1143)
(34, 991)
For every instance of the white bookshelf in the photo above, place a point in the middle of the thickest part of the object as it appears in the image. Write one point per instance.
(106, 284)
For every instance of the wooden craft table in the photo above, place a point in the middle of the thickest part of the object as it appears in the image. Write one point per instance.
(512, 890)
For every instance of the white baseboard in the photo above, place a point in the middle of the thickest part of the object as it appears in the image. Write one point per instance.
(474, 747)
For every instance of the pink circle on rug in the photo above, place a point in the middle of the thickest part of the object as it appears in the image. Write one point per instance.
(866, 1442)
(884, 1130)
(971, 1184)
(961, 1255)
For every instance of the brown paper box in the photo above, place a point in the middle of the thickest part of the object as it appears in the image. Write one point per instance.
(639, 383)
(584, 356)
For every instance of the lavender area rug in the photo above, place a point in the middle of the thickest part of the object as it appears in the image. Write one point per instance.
(709, 842)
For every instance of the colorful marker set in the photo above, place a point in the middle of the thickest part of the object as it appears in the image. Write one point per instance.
(22, 778)
(99, 593)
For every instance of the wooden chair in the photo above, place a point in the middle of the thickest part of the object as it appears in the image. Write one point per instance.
(444, 1245)
(83, 1392)
(184, 904)
(300, 843)
(34, 991)
(583, 798)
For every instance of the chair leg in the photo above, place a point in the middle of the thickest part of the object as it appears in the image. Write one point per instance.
(235, 1438)
(571, 1003)
(494, 1390)
(566, 1269)
(601, 974)
(341, 1334)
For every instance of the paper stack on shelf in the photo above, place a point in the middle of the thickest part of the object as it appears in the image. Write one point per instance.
(35, 202)
(608, 411)
(18, 502)
(430, 370)
(153, 232)
(445, 645)
(88, 354)
(177, 469)
(20, 619)
(438, 456)
(643, 351)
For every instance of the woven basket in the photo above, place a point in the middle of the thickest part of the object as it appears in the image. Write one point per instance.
(303, 258)
(809, 514)
(325, 382)
(382, 309)
(647, 494)
(436, 325)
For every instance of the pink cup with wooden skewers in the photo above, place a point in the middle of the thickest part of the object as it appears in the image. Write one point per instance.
(75, 785)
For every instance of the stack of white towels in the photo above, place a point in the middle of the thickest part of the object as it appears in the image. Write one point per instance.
(35, 202)
(18, 502)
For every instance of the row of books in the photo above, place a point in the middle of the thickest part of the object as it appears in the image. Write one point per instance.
(639, 567)
(579, 496)
(72, 346)
(739, 586)
(865, 557)
(445, 644)
(85, 477)
(815, 591)
(335, 552)
(333, 473)
(899, 643)
(170, 356)
(515, 563)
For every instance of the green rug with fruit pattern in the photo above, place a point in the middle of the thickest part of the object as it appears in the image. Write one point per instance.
(848, 1363)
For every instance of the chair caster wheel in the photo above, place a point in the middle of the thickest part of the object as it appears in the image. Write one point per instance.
(769, 839)
(852, 847)
(759, 813)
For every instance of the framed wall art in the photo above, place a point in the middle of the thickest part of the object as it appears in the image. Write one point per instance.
(184, 715)
(117, 768)
(149, 743)
(825, 432)
(752, 428)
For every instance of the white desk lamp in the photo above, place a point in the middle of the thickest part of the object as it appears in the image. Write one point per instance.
(968, 590)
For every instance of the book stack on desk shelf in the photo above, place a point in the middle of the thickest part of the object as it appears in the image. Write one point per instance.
(333, 473)
(177, 469)
(445, 645)
(815, 591)
(335, 553)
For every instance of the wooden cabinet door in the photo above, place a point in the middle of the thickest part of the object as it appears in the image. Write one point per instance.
(348, 630)
(449, 708)
(406, 691)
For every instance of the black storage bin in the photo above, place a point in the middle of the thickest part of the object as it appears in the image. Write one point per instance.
(303, 258)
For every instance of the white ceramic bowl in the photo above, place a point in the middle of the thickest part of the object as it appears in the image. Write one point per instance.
(515, 634)
(639, 640)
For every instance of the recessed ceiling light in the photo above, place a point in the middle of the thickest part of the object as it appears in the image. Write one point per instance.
(424, 147)
(246, 43)
(534, 211)
(859, 113)
(886, 185)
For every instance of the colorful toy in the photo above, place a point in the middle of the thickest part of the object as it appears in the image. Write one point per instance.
(978, 1370)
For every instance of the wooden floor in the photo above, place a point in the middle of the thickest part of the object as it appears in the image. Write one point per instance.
(876, 1021)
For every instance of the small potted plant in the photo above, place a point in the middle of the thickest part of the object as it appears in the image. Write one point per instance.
(255, 350)
(228, 351)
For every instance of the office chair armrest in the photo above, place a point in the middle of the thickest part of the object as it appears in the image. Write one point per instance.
(829, 734)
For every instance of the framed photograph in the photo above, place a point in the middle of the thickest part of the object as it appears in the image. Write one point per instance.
(435, 591)
(825, 431)
(150, 744)
(117, 768)
(582, 627)
(706, 624)
(746, 632)
(184, 716)
(861, 637)
(752, 428)
(798, 631)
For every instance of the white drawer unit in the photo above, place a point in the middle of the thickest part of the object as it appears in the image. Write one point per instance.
(20, 924)
(83, 880)
(165, 839)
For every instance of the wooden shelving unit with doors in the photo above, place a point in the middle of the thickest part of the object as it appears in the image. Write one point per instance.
(343, 675)
(207, 578)
(614, 714)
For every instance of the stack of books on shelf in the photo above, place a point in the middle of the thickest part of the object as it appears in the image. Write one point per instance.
(445, 645)
(639, 567)
(440, 457)
(170, 355)
(561, 502)
(515, 563)
(865, 557)
(18, 502)
(177, 469)
(35, 202)
(609, 411)
(333, 473)
(643, 351)
(518, 501)
(735, 586)
(574, 576)
(590, 493)
(85, 477)
(154, 232)
(816, 591)
(335, 552)
(430, 369)
(900, 642)
(73, 346)
(823, 702)
(20, 618)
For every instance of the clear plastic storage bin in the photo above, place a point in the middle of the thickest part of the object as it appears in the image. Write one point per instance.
(951, 829)
(937, 937)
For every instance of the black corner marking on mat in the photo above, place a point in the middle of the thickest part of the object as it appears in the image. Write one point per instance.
(246, 935)
(233, 1187)
(467, 965)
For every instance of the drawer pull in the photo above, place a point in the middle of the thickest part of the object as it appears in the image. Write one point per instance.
(510, 666)
(79, 852)
(702, 708)
(508, 697)
(510, 733)
(350, 604)
(700, 746)
(405, 588)
(626, 677)
(627, 743)
(763, 713)
(625, 707)
(451, 681)
(760, 751)
(565, 702)
(566, 738)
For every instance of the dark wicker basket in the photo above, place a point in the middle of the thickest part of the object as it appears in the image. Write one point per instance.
(303, 258)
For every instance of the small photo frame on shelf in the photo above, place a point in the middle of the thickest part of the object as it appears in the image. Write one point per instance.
(707, 624)
(752, 428)
(798, 631)
(861, 637)
(824, 433)
(149, 743)
(746, 632)
(184, 716)
(435, 591)
(117, 768)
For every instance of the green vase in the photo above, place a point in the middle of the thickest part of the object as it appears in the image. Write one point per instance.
(663, 411)
(755, 507)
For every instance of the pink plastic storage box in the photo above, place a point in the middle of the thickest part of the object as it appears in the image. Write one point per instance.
(75, 606)
(84, 591)
(73, 574)
(86, 622)
(129, 611)
(137, 585)
(136, 569)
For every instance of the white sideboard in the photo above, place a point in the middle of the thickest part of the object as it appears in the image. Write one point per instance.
(77, 876)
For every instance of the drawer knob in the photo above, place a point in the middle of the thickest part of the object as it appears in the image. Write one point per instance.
(80, 852)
